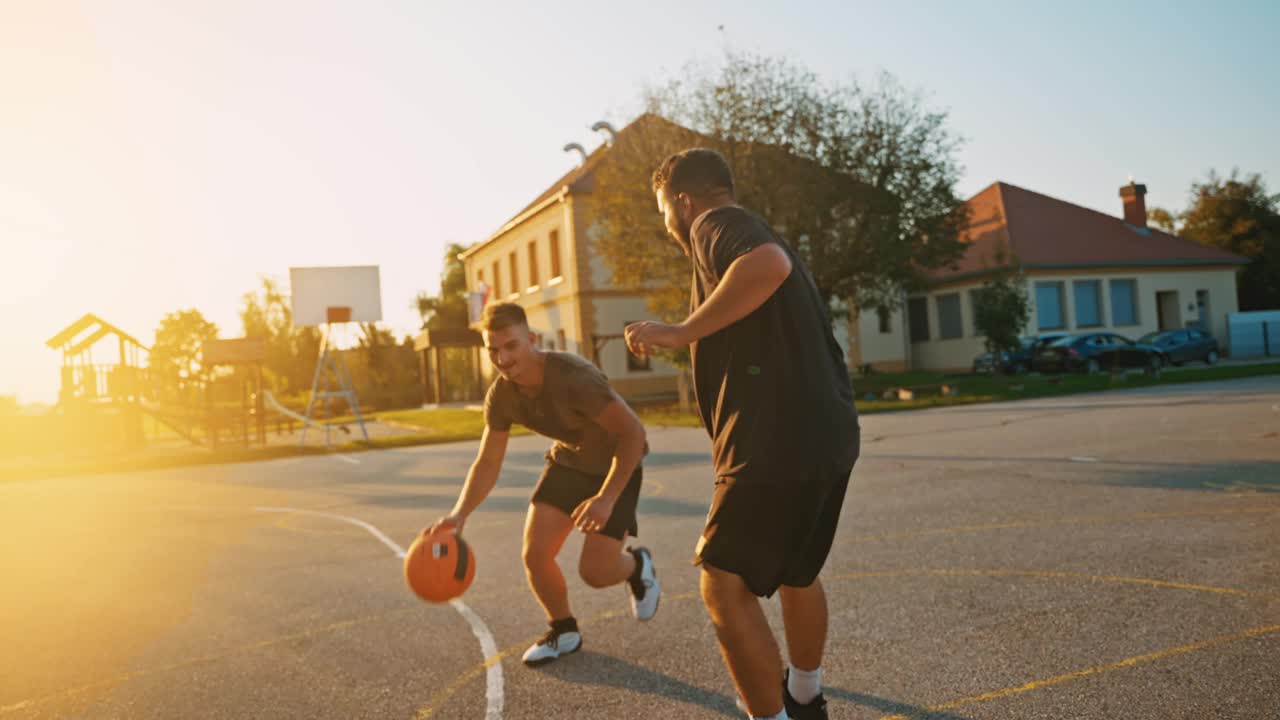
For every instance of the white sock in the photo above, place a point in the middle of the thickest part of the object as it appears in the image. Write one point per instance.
(780, 716)
(804, 685)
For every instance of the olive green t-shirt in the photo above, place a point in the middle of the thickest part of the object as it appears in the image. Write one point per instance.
(573, 394)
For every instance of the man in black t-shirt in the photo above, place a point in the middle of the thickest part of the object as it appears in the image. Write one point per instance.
(591, 481)
(775, 396)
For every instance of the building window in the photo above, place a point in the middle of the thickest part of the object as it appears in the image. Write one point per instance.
(515, 272)
(533, 264)
(636, 363)
(561, 344)
(1050, 314)
(497, 281)
(1124, 302)
(884, 315)
(1088, 297)
(973, 311)
(950, 322)
(918, 317)
(555, 254)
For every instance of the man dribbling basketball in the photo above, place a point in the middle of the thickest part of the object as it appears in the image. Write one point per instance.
(775, 396)
(591, 480)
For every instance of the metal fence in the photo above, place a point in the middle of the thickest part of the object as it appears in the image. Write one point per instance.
(1252, 337)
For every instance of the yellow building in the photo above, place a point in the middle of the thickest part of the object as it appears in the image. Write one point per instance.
(543, 260)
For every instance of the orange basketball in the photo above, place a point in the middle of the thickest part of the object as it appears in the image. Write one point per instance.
(439, 567)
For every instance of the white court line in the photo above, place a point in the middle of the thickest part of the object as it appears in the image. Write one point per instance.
(1084, 459)
(488, 647)
(348, 459)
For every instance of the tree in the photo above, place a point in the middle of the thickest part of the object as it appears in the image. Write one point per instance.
(1237, 215)
(291, 352)
(449, 308)
(860, 180)
(175, 354)
(383, 370)
(1001, 310)
(1163, 219)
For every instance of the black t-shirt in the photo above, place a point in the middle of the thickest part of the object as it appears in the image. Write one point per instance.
(773, 388)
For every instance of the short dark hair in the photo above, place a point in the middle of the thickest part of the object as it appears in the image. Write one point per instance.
(500, 316)
(697, 171)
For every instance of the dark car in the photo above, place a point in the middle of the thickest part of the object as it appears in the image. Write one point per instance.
(1017, 362)
(1098, 351)
(1184, 346)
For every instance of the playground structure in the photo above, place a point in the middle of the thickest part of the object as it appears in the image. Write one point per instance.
(109, 398)
(90, 388)
(112, 383)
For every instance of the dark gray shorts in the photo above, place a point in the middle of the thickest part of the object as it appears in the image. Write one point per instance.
(774, 533)
(565, 488)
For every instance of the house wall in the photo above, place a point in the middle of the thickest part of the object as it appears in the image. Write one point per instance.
(580, 302)
(885, 352)
(958, 353)
(1221, 284)
(612, 312)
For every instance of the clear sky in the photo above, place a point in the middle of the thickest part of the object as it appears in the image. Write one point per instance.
(161, 155)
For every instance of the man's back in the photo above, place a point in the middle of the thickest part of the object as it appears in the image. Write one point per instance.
(774, 384)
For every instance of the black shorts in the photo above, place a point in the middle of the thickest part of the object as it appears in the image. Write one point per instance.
(774, 533)
(565, 488)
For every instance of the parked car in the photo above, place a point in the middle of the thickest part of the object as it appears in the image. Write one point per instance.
(1017, 362)
(1184, 346)
(1098, 351)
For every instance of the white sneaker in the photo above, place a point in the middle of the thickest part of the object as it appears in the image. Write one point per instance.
(644, 605)
(551, 646)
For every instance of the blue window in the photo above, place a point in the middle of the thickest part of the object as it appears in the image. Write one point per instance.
(1049, 311)
(950, 325)
(1088, 303)
(1124, 302)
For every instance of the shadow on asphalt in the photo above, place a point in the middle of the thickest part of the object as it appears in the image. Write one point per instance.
(592, 668)
(888, 706)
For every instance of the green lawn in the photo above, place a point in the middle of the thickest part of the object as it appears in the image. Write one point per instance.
(970, 389)
(454, 425)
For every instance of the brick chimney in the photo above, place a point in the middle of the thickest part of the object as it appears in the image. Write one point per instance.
(1135, 204)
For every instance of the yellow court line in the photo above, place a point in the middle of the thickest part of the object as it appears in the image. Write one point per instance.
(1059, 679)
(1086, 520)
(1047, 575)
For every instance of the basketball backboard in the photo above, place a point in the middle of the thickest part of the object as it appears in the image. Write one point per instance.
(321, 293)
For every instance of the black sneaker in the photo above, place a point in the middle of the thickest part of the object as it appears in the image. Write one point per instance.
(552, 645)
(816, 709)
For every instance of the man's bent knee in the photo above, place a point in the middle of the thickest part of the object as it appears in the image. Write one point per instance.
(594, 577)
(537, 555)
(722, 590)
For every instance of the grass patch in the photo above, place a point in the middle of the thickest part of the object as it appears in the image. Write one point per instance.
(446, 425)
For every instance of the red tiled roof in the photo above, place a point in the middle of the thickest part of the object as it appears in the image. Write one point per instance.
(1044, 232)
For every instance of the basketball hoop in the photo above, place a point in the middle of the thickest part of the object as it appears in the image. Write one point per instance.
(328, 296)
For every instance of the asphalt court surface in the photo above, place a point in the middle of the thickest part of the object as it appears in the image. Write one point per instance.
(1103, 556)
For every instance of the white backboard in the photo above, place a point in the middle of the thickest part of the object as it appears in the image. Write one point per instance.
(316, 289)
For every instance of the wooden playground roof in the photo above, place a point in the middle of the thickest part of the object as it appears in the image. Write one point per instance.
(62, 341)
